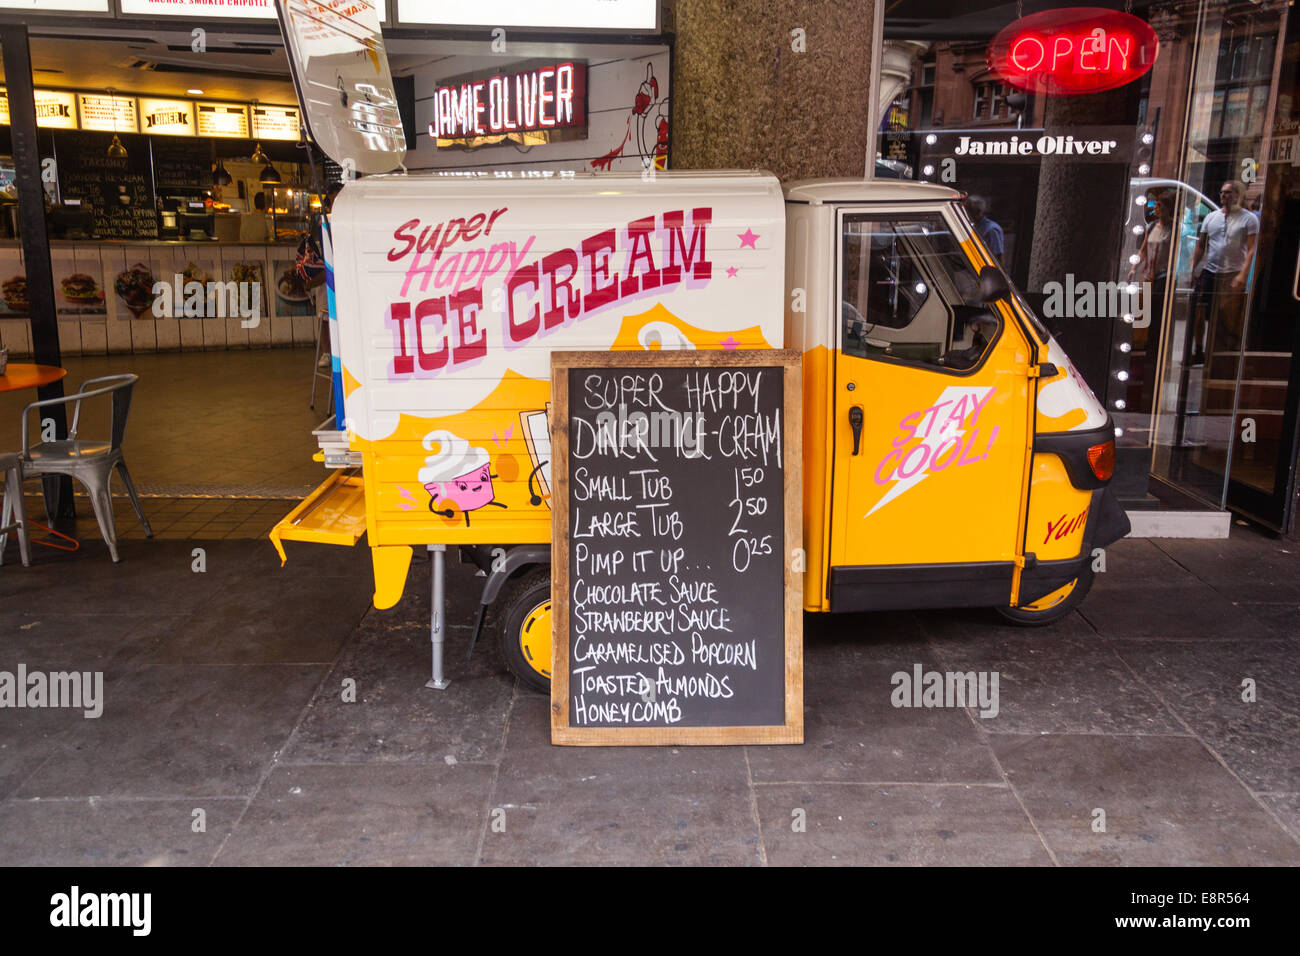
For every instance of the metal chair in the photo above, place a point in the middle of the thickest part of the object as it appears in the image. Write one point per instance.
(13, 516)
(90, 462)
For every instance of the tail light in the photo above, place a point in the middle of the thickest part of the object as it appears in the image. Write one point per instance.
(1101, 459)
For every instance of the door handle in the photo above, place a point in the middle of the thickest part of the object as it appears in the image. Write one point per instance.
(855, 422)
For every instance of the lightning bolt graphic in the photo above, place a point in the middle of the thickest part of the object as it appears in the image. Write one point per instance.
(936, 437)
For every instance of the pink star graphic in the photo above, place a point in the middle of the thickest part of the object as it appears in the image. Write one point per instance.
(732, 272)
(729, 342)
(748, 238)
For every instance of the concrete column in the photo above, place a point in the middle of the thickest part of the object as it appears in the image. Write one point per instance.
(750, 90)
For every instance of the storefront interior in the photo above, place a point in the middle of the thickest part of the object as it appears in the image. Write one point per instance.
(1202, 386)
(159, 161)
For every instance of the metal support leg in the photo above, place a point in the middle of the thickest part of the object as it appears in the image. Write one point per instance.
(438, 614)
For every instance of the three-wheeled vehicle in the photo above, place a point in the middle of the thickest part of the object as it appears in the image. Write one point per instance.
(952, 455)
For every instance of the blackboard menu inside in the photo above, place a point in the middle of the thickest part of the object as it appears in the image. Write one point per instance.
(117, 191)
(674, 609)
(179, 162)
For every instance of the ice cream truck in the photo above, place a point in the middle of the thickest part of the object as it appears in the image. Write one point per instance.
(952, 454)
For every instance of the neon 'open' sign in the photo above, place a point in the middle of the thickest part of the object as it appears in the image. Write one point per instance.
(1073, 51)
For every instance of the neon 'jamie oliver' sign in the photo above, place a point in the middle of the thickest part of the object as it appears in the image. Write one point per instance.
(1072, 51)
(546, 97)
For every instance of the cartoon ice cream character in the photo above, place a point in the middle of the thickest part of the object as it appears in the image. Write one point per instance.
(457, 476)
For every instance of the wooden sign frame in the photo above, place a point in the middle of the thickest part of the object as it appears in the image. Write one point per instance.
(791, 731)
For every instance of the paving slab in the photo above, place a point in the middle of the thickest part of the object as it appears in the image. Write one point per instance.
(852, 731)
(1178, 613)
(108, 832)
(900, 825)
(1249, 566)
(1140, 564)
(396, 719)
(153, 575)
(1287, 808)
(272, 619)
(363, 816)
(171, 730)
(52, 639)
(617, 805)
(1167, 802)
(1061, 678)
(1203, 684)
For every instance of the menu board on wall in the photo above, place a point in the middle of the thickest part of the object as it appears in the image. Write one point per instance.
(167, 117)
(223, 119)
(247, 9)
(55, 109)
(117, 191)
(572, 15)
(676, 617)
(275, 122)
(110, 114)
(55, 6)
(182, 162)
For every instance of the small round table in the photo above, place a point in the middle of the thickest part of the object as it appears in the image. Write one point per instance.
(20, 375)
(25, 375)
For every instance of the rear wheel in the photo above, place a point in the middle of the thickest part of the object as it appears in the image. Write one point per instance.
(1054, 606)
(526, 627)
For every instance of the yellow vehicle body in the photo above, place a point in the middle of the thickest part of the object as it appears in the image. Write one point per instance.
(952, 455)
(948, 443)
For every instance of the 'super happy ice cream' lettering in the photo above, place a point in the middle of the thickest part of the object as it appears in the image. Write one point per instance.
(443, 332)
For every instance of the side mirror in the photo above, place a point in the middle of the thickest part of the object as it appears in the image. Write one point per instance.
(993, 284)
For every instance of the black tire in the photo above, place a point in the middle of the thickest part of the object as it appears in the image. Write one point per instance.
(1028, 618)
(520, 598)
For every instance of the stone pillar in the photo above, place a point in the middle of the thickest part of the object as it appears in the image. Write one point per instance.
(1079, 222)
(750, 91)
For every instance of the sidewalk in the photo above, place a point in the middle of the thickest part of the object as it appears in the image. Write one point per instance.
(223, 694)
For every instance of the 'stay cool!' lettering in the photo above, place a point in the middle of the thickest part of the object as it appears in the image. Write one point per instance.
(951, 432)
(948, 433)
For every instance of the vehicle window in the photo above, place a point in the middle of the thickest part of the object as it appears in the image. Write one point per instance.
(909, 293)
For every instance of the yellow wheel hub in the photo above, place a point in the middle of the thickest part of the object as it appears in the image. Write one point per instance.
(1048, 601)
(535, 639)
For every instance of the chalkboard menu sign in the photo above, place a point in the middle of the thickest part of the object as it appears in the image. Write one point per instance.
(677, 612)
(117, 191)
(184, 163)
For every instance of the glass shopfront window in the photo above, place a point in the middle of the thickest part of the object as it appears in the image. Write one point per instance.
(1139, 220)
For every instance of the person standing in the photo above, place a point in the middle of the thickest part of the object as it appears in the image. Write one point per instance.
(256, 226)
(1226, 244)
(988, 230)
(1153, 266)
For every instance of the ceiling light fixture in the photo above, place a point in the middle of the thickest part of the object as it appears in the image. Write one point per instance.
(115, 149)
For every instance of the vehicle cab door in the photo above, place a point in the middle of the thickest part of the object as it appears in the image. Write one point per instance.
(932, 417)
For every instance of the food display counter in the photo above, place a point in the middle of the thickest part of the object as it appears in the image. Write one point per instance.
(130, 296)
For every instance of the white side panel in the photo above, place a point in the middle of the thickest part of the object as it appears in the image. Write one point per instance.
(512, 245)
